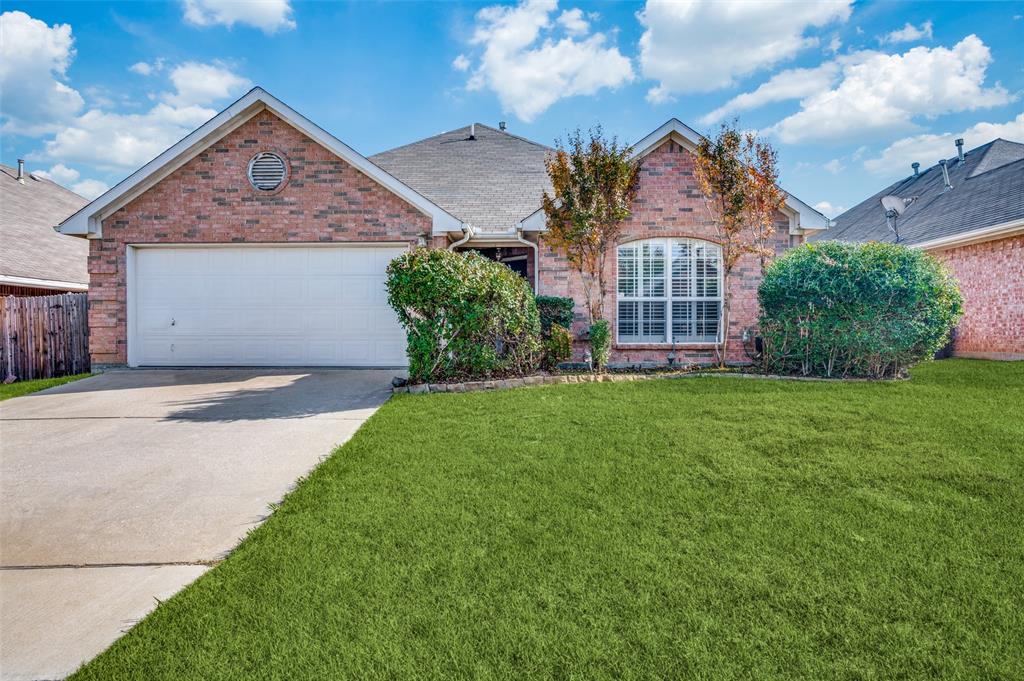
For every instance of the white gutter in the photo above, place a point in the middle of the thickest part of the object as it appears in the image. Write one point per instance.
(42, 283)
(536, 260)
(467, 229)
(990, 233)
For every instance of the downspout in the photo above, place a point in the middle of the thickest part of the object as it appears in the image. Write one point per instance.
(536, 259)
(467, 229)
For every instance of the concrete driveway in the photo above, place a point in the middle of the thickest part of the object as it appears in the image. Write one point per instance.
(122, 488)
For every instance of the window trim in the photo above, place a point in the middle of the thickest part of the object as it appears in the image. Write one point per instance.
(667, 298)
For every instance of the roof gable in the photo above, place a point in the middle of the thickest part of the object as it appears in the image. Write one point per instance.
(801, 216)
(88, 221)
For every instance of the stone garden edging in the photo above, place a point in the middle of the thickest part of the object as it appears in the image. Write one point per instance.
(558, 379)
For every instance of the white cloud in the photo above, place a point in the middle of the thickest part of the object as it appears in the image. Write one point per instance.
(835, 166)
(927, 149)
(834, 44)
(531, 64)
(59, 173)
(201, 84)
(909, 33)
(828, 209)
(703, 45)
(885, 92)
(785, 85)
(146, 69)
(573, 22)
(34, 59)
(90, 189)
(269, 16)
(68, 177)
(114, 142)
(461, 63)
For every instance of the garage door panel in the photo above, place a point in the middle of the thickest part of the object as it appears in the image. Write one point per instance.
(264, 306)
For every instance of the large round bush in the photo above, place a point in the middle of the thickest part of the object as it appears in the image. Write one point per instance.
(465, 316)
(869, 310)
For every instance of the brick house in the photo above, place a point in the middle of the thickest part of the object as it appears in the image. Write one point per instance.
(967, 211)
(261, 239)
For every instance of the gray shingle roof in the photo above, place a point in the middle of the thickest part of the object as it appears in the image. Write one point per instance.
(30, 247)
(492, 182)
(988, 190)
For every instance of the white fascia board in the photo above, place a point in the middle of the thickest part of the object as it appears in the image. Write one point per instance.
(88, 221)
(990, 233)
(43, 283)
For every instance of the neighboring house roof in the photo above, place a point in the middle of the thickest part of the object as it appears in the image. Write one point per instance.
(491, 181)
(88, 222)
(802, 217)
(31, 253)
(987, 198)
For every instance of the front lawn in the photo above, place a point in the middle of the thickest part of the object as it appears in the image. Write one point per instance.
(19, 388)
(706, 528)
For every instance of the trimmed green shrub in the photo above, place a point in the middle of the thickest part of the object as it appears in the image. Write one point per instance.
(867, 310)
(557, 346)
(555, 310)
(600, 343)
(465, 316)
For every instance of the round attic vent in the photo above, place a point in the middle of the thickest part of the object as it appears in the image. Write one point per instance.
(267, 171)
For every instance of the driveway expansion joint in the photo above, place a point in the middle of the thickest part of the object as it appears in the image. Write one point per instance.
(76, 566)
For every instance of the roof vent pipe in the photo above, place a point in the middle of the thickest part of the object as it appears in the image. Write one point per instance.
(917, 168)
(945, 175)
(502, 126)
(21, 170)
(960, 149)
(472, 131)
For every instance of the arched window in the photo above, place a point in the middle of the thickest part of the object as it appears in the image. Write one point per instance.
(669, 291)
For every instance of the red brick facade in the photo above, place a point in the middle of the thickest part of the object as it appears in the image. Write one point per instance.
(991, 277)
(669, 204)
(210, 200)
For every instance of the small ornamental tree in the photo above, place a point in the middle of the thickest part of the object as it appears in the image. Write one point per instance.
(594, 181)
(737, 175)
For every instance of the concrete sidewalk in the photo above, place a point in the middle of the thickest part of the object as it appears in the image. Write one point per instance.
(120, 489)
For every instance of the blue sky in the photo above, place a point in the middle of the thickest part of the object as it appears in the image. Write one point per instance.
(849, 93)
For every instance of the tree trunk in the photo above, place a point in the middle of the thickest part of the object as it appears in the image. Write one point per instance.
(726, 305)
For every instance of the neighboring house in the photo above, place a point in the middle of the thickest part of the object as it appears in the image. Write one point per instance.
(968, 211)
(34, 259)
(261, 239)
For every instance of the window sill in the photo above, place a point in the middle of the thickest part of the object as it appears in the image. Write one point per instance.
(664, 346)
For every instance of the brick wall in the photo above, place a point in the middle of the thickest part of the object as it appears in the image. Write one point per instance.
(991, 277)
(669, 204)
(210, 200)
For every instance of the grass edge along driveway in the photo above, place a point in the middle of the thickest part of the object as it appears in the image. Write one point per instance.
(19, 388)
(699, 528)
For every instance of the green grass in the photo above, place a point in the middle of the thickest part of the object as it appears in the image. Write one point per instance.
(707, 528)
(19, 388)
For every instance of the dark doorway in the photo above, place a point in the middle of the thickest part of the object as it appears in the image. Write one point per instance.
(517, 259)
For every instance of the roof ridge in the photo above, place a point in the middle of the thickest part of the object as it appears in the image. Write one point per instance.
(454, 130)
(514, 136)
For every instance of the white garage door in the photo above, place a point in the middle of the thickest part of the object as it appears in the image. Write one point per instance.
(263, 306)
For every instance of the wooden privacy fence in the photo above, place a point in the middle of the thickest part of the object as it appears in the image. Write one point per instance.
(44, 336)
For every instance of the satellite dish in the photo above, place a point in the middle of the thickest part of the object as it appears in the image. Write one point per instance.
(895, 204)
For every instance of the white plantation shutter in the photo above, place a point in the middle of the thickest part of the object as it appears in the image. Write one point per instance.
(669, 290)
